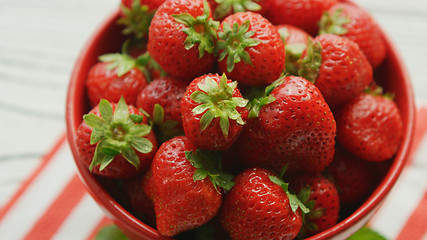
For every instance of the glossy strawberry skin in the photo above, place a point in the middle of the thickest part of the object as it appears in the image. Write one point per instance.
(152, 4)
(166, 91)
(325, 195)
(212, 137)
(370, 127)
(303, 14)
(180, 203)
(104, 83)
(257, 208)
(344, 72)
(268, 57)
(166, 41)
(353, 177)
(363, 30)
(119, 167)
(298, 129)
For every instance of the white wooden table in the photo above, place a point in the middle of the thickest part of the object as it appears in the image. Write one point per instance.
(40, 40)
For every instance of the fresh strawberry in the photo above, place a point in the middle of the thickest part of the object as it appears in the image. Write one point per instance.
(260, 206)
(295, 40)
(338, 67)
(321, 197)
(182, 37)
(352, 22)
(187, 186)
(370, 126)
(224, 8)
(166, 92)
(114, 141)
(213, 112)
(291, 124)
(304, 14)
(251, 50)
(353, 177)
(116, 76)
(136, 16)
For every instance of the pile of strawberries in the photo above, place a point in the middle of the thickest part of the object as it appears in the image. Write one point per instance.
(243, 119)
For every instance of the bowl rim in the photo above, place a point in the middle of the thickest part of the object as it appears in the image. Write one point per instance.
(115, 211)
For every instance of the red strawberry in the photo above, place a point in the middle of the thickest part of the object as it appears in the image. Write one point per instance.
(224, 8)
(304, 14)
(136, 16)
(259, 206)
(213, 112)
(114, 142)
(338, 67)
(118, 75)
(321, 197)
(370, 126)
(251, 50)
(166, 93)
(353, 177)
(294, 126)
(295, 40)
(187, 186)
(354, 23)
(181, 38)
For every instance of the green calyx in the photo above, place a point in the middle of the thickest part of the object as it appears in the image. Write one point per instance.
(261, 97)
(294, 201)
(308, 225)
(293, 52)
(310, 64)
(233, 41)
(137, 19)
(117, 133)
(379, 91)
(164, 130)
(201, 30)
(333, 23)
(123, 63)
(225, 7)
(217, 101)
(208, 164)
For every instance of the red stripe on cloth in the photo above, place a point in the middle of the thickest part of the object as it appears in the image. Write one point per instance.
(104, 222)
(420, 131)
(416, 227)
(52, 219)
(26, 183)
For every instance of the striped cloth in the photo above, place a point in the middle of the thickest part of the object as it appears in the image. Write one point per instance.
(53, 204)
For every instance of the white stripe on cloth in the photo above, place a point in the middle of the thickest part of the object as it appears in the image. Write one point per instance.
(404, 197)
(81, 221)
(39, 196)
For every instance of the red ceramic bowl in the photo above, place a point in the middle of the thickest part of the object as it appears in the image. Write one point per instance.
(392, 75)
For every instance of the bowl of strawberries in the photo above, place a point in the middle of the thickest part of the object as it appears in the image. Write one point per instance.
(255, 119)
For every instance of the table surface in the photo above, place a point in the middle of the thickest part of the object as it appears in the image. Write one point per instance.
(40, 41)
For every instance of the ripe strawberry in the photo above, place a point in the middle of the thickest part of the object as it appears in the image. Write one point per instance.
(162, 98)
(338, 67)
(294, 126)
(370, 126)
(213, 112)
(304, 14)
(354, 23)
(353, 177)
(321, 197)
(187, 186)
(251, 51)
(116, 76)
(136, 16)
(259, 206)
(295, 40)
(108, 137)
(181, 38)
(224, 8)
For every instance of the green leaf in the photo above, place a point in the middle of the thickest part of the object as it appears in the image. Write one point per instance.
(209, 86)
(366, 233)
(139, 130)
(94, 121)
(224, 124)
(310, 64)
(200, 174)
(206, 120)
(110, 232)
(142, 145)
(97, 158)
(96, 136)
(105, 110)
(121, 113)
(201, 108)
(107, 159)
(200, 97)
(158, 114)
(334, 23)
(136, 20)
(130, 155)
